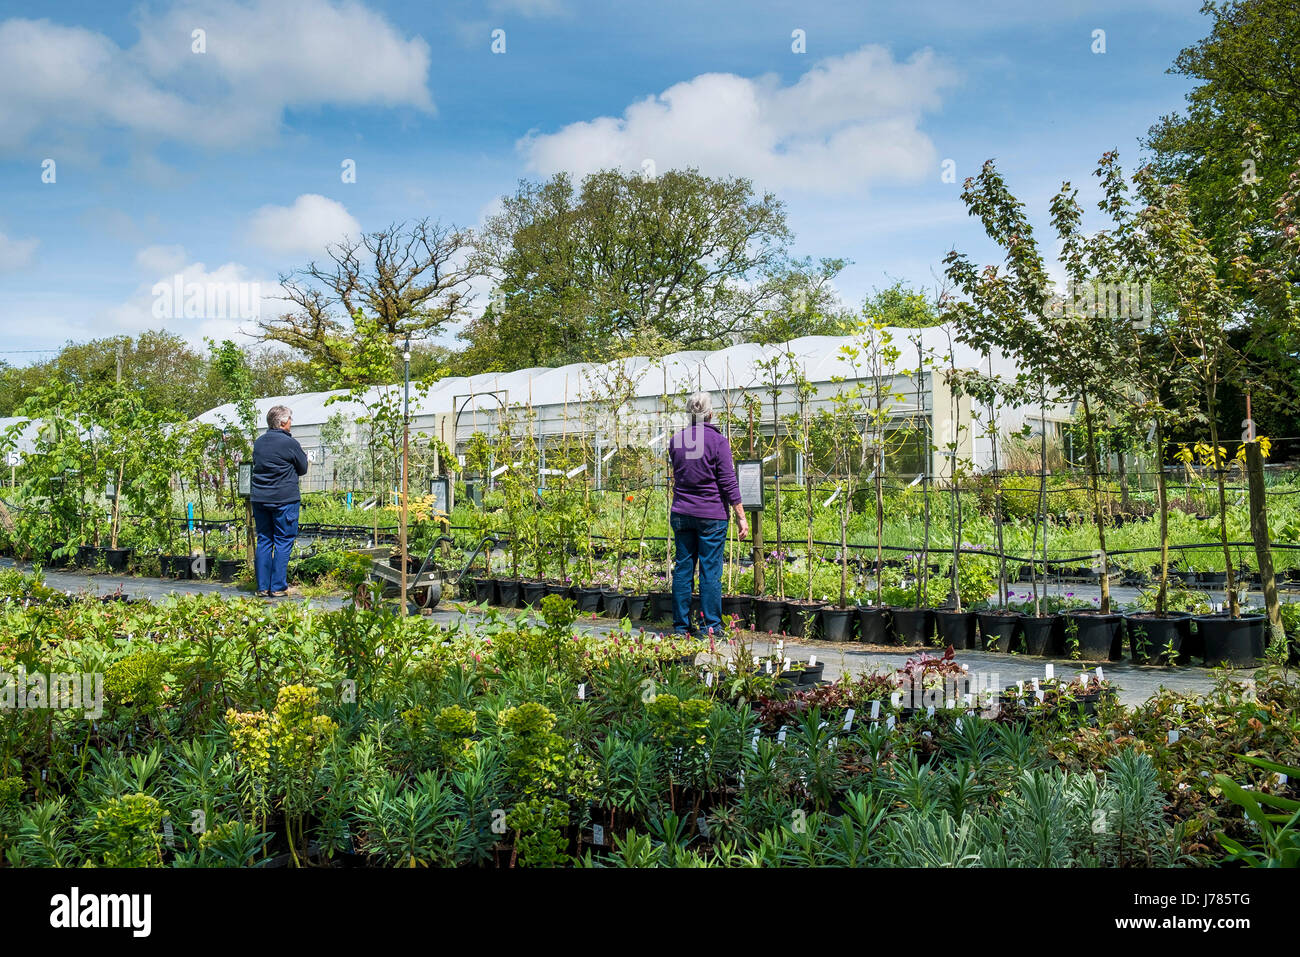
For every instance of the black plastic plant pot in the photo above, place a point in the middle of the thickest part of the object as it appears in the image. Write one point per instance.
(837, 623)
(912, 626)
(636, 606)
(588, 599)
(873, 625)
(228, 569)
(740, 608)
(86, 556)
(613, 603)
(1101, 637)
(510, 592)
(801, 618)
(1235, 642)
(1040, 634)
(660, 606)
(1000, 631)
(1158, 639)
(532, 593)
(956, 628)
(555, 588)
(117, 559)
(176, 566)
(1212, 579)
(769, 615)
(485, 590)
(812, 674)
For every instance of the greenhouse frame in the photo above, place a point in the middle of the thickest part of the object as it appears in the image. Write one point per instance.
(641, 399)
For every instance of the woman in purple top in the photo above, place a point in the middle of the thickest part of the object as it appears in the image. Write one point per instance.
(704, 491)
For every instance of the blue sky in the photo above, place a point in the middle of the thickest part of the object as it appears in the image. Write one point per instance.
(225, 166)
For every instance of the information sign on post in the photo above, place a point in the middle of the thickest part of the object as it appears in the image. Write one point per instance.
(246, 480)
(749, 476)
(440, 491)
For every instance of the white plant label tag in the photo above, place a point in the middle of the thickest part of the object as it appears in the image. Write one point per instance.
(780, 735)
(875, 710)
(1050, 671)
(926, 734)
(787, 665)
(889, 723)
(1020, 686)
(1040, 695)
(1173, 735)
(708, 680)
(1035, 680)
(597, 835)
(957, 725)
(1083, 677)
(929, 711)
(812, 661)
(950, 703)
(582, 692)
(754, 743)
(1100, 676)
(848, 716)
(895, 699)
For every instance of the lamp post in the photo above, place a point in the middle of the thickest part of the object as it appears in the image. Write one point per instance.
(406, 436)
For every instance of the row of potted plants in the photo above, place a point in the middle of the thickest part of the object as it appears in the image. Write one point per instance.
(1190, 629)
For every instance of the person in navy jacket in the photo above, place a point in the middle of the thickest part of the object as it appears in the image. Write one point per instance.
(278, 461)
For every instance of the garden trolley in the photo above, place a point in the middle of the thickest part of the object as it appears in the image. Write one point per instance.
(424, 587)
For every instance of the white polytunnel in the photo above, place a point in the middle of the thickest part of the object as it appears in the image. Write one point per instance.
(646, 395)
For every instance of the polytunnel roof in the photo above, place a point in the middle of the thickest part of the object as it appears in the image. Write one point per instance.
(734, 367)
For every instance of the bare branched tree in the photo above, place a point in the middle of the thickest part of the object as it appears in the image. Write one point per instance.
(410, 278)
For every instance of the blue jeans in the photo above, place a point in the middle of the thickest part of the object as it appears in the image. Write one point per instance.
(277, 527)
(698, 540)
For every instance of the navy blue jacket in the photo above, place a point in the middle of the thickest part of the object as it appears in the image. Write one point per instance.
(278, 460)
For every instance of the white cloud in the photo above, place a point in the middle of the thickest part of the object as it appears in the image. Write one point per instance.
(16, 254)
(161, 259)
(849, 122)
(262, 57)
(311, 223)
(196, 302)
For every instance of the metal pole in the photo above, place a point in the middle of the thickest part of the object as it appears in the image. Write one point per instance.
(406, 437)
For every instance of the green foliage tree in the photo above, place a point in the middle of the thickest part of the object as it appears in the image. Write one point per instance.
(622, 264)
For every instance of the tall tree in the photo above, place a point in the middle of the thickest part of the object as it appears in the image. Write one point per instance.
(1248, 70)
(623, 264)
(410, 279)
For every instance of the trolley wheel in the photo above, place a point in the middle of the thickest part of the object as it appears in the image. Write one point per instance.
(426, 596)
(362, 597)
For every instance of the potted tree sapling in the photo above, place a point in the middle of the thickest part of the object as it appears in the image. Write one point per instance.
(879, 358)
(839, 428)
(802, 612)
(769, 609)
(1208, 312)
(957, 625)
(1061, 341)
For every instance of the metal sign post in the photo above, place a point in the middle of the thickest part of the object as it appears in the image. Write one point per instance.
(245, 487)
(749, 476)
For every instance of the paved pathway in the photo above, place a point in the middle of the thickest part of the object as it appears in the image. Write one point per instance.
(1135, 683)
